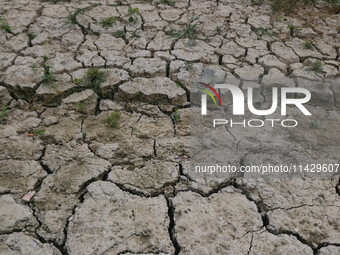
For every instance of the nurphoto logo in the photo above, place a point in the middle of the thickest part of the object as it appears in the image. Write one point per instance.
(238, 104)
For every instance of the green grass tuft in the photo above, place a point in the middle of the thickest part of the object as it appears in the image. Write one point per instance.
(113, 119)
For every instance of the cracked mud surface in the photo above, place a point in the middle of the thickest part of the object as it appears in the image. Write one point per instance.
(126, 189)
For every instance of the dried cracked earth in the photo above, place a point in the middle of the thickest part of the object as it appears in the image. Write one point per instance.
(125, 188)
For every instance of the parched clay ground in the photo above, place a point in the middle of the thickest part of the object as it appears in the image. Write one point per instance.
(126, 190)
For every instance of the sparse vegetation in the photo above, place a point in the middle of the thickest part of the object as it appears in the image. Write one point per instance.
(188, 31)
(284, 5)
(81, 106)
(261, 31)
(335, 5)
(316, 67)
(134, 13)
(40, 133)
(92, 79)
(78, 81)
(120, 34)
(84, 134)
(292, 29)
(315, 124)
(30, 36)
(218, 29)
(4, 112)
(179, 85)
(48, 77)
(139, 94)
(72, 17)
(176, 116)
(113, 119)
(308, 45)
(4, 25)
(108, 22)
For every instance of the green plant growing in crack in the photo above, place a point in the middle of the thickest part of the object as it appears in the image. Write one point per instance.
(4, 112)
(218, 29)
(84, 134)
(78, 81)
(4, 25)
(176, 116)
(40, 133)
(292, 29)
(113, 119)
(48, 77)
(108, 22)
(139, 95)
(120, 34)
(261, 31)
(30, 36)
(134, 13)
(72, 16)
(188, 31)
(179, 85)
(308, 45)
(93, 79)
(316, 67)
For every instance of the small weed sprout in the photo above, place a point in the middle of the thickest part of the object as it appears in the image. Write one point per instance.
(81, 106)
(113, 119)
(108, 22)
(316, 67)
(261, 31)
(40, 133)
(84, 134)
(4, 25)
(134, 13)
(78, 81)
(176, 116)
(292, 29)
(30, 36)
(179, 85)
(120, 34)
(4, 112)
(308, 45)
(188, 31)
(218, 29)
(72, 17)
(93, 79)
(48, 77)
(138, 94)
(315, 124)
